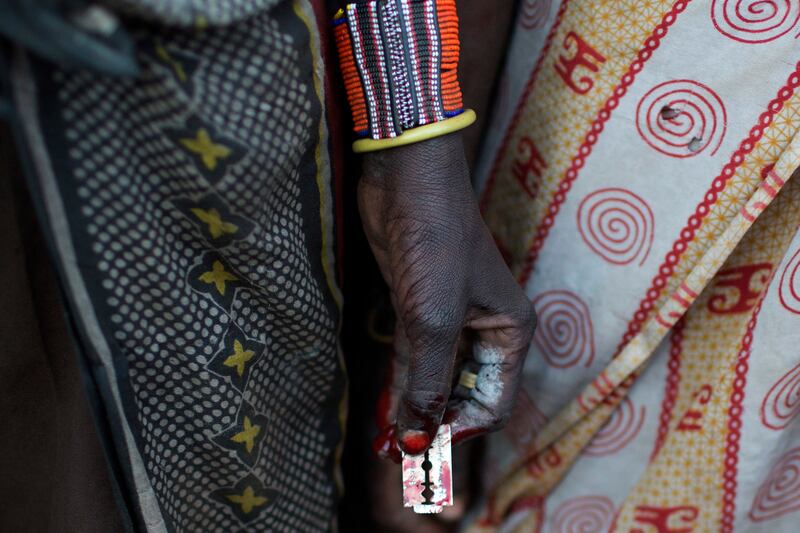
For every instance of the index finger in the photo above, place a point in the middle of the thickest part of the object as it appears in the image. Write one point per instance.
(427, 387)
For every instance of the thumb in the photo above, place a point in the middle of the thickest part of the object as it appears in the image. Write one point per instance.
(426, 391)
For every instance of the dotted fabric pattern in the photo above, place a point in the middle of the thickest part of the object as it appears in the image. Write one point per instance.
(193, 12)
(189, 191)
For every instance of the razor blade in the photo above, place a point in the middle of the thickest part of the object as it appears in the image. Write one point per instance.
(427, 478)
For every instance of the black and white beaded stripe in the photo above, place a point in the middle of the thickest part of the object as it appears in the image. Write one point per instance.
(396, 61)
(354, 25)
(422, 39)
(435, 76)
(385, 107)
(364, 28)
(412, 62)
(393, 120)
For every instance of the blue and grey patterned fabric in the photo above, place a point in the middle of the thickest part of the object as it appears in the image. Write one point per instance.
(189, 211)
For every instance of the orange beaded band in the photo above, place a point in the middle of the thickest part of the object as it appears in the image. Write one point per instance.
(399, 61)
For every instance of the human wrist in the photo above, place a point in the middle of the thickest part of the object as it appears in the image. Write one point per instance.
(435, 164)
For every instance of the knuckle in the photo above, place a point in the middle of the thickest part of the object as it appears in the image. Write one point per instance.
(424, 404)
(434, 321)
(523, 321)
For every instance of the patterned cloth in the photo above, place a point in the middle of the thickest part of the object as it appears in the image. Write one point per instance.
(640, 190)
(190, 214)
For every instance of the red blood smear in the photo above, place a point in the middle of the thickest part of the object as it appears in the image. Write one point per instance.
(462, 434)
(385, 445)
(384, 406)
(447, 485)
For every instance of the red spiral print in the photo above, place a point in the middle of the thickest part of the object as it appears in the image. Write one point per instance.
(789, 288)
(564, 335)
(619, 431)
(703, 208)
(782, 403)
(755, 21)
(780, 492)
(617, 225)
(533, 13)
(681, 118)
(584, 514)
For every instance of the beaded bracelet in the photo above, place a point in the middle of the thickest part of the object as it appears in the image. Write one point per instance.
(399, 60)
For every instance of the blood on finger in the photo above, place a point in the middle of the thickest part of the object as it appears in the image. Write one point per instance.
(385, 445)
(465, 433)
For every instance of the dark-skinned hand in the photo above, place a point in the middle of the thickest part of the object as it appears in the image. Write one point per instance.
(448, 281)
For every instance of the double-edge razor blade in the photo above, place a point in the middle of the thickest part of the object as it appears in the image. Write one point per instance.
(427, 478)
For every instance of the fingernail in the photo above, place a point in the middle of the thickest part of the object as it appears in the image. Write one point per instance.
(385, 445)
(414, 442)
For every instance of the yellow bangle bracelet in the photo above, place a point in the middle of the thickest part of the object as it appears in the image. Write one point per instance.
(418, 134)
